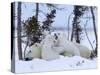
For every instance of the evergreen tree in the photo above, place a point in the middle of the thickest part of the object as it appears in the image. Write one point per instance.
(49, 20)
(32, 30)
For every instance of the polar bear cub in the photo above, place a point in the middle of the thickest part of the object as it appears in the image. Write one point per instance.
(65, 46)
(34, 51)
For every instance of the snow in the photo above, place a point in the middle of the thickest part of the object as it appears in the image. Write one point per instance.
(64, 63)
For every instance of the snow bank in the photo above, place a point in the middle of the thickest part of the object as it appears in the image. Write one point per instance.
(64, 63)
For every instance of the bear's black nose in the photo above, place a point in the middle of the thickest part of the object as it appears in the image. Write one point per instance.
(28, 59)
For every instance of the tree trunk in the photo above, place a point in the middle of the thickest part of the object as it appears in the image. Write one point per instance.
(68, 25)
(94, 26)
(75, 30)
(72, 34)
(76, 26)
(77, 34)
(37, 11)
(12, 28)
(19, 31)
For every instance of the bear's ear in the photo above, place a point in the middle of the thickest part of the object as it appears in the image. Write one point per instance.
(36, 45)
(55, 35)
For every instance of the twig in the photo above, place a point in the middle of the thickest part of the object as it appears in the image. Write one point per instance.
(25, 49)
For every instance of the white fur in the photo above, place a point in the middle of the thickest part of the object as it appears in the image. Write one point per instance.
(64, 45)
(47, 49)
(84, 51)
(50, 48)
(35, 51)
(69, 48)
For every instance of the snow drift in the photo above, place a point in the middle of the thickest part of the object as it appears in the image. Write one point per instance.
(64, 63)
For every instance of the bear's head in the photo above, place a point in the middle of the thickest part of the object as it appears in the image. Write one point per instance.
(56, 37)
(32, 49)
(49, 40)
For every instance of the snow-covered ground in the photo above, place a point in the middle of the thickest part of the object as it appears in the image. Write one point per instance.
(64, 63)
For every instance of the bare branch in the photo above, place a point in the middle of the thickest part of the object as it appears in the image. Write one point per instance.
(69, 23)
(87, 34)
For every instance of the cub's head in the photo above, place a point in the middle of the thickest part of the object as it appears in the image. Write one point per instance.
(55, 37)
(28, 54)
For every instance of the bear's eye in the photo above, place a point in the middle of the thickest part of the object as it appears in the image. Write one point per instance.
(30, 51)
(36, 45)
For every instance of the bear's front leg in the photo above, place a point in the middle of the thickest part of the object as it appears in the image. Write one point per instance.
(49, 54)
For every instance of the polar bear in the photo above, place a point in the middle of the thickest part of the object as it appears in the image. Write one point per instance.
(34, 52)
(47, 48)
(64, 45)
(84, 51)
(69, 48)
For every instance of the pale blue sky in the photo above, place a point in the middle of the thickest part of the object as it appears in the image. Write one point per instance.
(61, 19)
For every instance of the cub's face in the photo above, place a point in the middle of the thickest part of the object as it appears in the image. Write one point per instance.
(56, 38)
(28, 55)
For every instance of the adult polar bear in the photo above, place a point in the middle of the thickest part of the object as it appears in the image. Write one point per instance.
(48, 53)
(53, 45)
(71, 48)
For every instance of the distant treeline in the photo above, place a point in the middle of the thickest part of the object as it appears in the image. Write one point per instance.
(64, 28)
